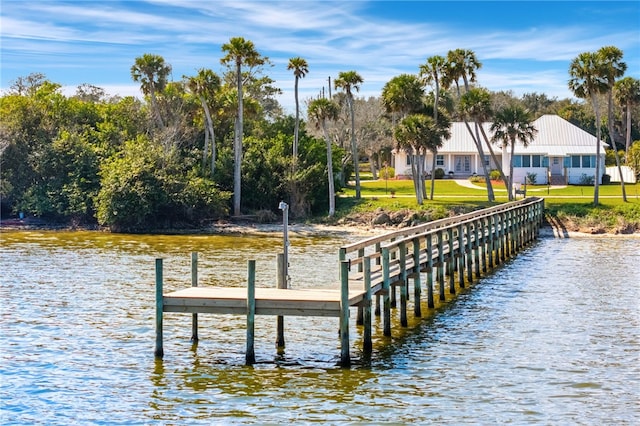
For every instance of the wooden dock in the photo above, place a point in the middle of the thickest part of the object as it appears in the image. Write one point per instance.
(460, 248)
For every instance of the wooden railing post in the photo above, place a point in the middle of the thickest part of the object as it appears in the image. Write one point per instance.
(451, 262)
(367, 345)
(159, 350)
(403, 284)
(386, 300)
(430, 302)
(345, 359)
(416, 278)
(250, 355)
(281, 283)
(194, 283)
(440, 269)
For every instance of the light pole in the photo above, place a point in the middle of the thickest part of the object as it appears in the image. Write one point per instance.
(285, 222)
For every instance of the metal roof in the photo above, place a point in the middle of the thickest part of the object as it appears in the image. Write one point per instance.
(556, 137)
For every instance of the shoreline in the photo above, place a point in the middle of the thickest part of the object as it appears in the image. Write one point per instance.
(301, 229)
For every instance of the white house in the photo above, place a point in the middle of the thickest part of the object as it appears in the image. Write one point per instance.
(561, 153)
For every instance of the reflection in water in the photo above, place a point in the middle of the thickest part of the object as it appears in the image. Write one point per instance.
(551, 337)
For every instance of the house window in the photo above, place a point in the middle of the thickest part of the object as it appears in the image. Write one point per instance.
(535, 160)
(517, 161)
(487, 160)
(526, 161)
(575, 161)
(408, 160)
(556, 161)
(545, 161)
(588, 161)
(440, 160)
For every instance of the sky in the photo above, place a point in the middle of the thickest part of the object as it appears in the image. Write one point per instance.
(523, 46)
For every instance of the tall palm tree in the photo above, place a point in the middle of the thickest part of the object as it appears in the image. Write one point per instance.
(411, 135)
(300, 69)
(510, 125)
(401, 96)
(612, 68)
(433, 72)
(152, 72)
(587, 82)
(320, 111)
(239, 52)
(627, 93)
(476, 105)
(462, 64)
(350, 81)
(204, 85)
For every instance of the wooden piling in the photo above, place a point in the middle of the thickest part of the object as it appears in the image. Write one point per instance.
(386, 301)
(440, 270)
(250, 355)
(345, 359)
(430, 301)
(194, 283)
(159, 351)
(367, 344)
(281, 283)
(403, 284)
(416, 278)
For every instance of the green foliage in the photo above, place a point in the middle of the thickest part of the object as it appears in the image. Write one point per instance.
(586, 180)
(633, 158)
(494, 174)
(610, 157)
(438, 173)
(532, 178)
(387, 172)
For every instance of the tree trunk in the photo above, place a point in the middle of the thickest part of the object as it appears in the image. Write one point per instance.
(510, 188)
(490, 196)
(209, 121)
(433, 173)
(613, 143)
(296, 129)
(494, 156)
(332, 191)
(237, 146)
(596, 183)
(354, 148)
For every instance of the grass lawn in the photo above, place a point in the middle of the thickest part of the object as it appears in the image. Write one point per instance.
(571, 202)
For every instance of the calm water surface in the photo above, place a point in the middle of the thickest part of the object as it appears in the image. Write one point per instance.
(553, 337)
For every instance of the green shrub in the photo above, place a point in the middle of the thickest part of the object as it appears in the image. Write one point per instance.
(387, 173)
(532, 178)
(477, 179)
(439, 173)
(494, 174)
(586, 179)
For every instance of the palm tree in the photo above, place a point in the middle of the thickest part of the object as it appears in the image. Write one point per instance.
(476, 105)
(510, 125)
(627, 93)
(320, 111)
(300, 69)
(433, 72)
(239, 52)
(462, 64)
(613, 68)
(350, 81)
(151, 71)
(403, 95)
(205, 85)
(586, 82)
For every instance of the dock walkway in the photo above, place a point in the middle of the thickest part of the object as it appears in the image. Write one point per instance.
(460, 248)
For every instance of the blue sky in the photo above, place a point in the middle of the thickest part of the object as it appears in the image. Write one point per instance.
(523, 46)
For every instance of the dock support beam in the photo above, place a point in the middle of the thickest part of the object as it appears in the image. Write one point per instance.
(367, 345)
(250, 355)
(345, 359)
(281, 283)
(159, 351)
(386, 300)
(194, 283)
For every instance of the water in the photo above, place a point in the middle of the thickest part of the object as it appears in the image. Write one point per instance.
(553, 337)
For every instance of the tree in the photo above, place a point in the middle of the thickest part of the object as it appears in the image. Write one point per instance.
(587, 82)
(320, 111)
(205, 85)
(416, 134)
(300, 69)
(350, 81)
(151, 71)
(403, 95)
(612, 68)
(239, 52)
(510, 125)
(627, 93)
(433, 72)
(476, 105)
(462, 64)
